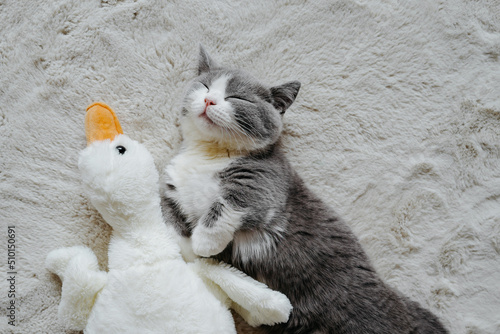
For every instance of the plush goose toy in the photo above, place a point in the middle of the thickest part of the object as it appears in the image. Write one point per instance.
(149, 287)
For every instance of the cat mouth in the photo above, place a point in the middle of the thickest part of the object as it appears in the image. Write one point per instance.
(207, 118)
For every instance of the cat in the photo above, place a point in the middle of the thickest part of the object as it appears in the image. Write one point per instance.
(233, 195)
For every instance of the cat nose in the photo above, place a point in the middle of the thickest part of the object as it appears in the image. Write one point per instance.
(209, 102)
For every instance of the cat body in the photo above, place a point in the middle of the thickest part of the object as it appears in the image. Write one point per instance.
(234, 196)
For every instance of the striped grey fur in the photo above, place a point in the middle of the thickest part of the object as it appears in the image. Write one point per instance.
(287, 237)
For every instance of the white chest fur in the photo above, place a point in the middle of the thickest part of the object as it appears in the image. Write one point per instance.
(195, 178)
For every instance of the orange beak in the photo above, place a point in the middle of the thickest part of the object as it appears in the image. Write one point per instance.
(101, 123)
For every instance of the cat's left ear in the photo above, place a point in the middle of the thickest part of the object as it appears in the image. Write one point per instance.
(205, 62)
(284, 95)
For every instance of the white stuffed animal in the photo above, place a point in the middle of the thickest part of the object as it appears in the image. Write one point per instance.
(149, 287)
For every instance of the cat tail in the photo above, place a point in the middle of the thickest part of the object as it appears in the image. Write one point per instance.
(422, 320)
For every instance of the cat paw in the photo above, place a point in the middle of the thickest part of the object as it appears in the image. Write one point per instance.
(209, 241)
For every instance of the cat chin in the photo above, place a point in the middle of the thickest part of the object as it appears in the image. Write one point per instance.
(197, 131)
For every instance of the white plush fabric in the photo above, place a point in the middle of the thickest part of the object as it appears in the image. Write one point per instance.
(397, 125)
(149, 287)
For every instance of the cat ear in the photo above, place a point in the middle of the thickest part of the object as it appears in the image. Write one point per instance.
(205, 63)
(284, 95)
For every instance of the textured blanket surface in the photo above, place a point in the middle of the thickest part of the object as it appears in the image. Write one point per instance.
(397, 126)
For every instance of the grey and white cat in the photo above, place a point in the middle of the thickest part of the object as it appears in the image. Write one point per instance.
(234, 196)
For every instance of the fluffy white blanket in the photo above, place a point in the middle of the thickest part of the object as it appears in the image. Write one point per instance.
(397, 125)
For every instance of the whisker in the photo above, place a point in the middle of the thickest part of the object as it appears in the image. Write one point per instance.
(228, 131)
(248, 127)
(247, 134)
(240, 132)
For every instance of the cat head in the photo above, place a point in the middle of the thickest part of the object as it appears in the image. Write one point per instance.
(232, 109)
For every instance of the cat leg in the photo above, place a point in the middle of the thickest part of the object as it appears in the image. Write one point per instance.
(253, 300)
(81, 281)
(215, 230)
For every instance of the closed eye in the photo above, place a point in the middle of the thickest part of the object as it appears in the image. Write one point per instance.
(205, 86)
(238, 98)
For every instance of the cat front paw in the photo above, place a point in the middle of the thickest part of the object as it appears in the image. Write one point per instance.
(209, 241)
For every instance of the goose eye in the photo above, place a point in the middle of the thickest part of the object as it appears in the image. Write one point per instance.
(121, 150)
